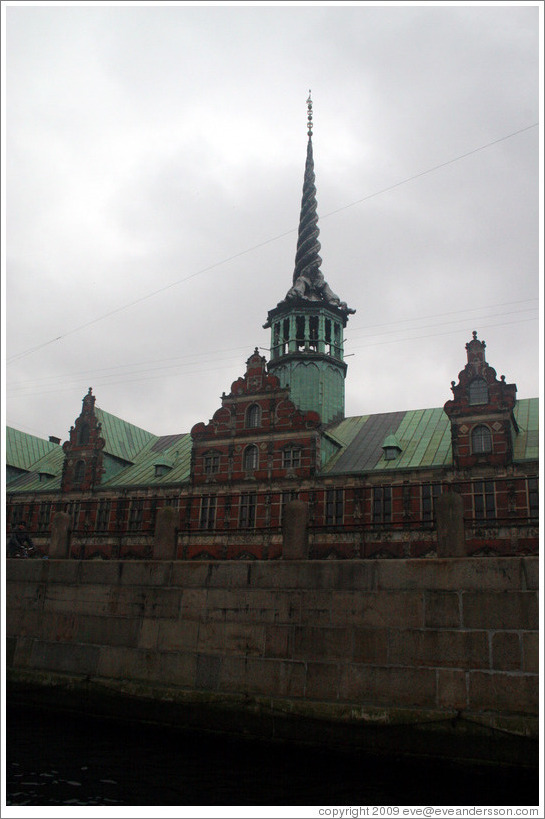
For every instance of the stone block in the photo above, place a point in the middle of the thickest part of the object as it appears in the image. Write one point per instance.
(442, 610)
(59, 546)
(193, 605)
(530, 573)
(375, 685)
(278, 641)
(67, 658)
(208, 670)
(108, 631)
(177, 668)
(322, 681)
(26, 571)
(449, 511)
(450, 574)
(101, 572)
(379, 609)
(370, 646)
(315, 607)
(166, 534)
(21, 595)
(506, 651)
(500, 610)
(149, 632)
(230, 638)
(162, 602)
(63, 571)
(118, 662)
(504, 692)
(295, 531)
(190, 573)
(146, 573)
(439, 648)
(326, 644)
(530, 652)
(452, 688)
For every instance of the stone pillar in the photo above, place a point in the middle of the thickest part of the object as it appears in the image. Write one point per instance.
(449, 512)
(295, 531)
(166, 534)
(59, 548)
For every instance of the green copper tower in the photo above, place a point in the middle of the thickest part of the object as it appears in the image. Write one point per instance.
(307, 325)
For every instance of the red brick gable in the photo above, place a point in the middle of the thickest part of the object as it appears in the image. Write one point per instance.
(481, 412)
(258, 414)
(82, 467)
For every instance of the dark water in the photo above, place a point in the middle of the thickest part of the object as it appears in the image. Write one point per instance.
(57, 759)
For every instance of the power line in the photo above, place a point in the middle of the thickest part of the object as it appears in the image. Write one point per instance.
(220, 355)
(126, 306)
(200, 370)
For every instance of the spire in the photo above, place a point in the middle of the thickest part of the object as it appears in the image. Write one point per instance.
(307, 259)
(309, 284)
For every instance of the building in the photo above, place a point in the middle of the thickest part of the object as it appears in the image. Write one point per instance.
(370, 482)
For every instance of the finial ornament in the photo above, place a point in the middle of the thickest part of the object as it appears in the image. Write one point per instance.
(309, 114)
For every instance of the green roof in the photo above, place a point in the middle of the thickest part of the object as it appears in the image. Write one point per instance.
(24, 450)
(423, 436)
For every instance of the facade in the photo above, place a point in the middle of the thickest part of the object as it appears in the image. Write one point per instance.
(370, 482)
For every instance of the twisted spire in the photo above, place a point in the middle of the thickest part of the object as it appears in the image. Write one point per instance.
(308, 246)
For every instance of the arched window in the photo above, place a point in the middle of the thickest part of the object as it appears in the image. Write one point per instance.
(481, 440)
(478, 391)
(250, 458)
(79, 472)
(253, 416)
(83, 435)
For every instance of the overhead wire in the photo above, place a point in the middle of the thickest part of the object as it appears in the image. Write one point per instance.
(206, 269)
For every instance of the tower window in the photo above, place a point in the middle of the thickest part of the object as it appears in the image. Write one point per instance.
(478, 392)
(250, 459)
(103, 516)
(313, 332)
(481, 440)
(83, 435)
(79, 472)
(253, 416)
(533, 498)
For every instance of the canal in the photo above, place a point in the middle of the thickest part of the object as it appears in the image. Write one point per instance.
(58, 759)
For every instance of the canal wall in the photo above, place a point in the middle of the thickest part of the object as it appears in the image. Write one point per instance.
(427, 657)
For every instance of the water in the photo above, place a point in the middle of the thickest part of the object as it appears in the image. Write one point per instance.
(55, 759)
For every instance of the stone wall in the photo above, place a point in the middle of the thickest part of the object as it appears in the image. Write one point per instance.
(436, 656)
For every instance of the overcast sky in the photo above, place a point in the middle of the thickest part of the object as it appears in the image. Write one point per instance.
(155, 159)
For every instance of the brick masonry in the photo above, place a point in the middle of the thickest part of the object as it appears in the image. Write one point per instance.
(412, 641)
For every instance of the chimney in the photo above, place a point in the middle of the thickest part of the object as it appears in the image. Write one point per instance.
(54, 440)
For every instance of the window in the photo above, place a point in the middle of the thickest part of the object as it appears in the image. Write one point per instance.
(286, 498)
(44, 516)
(247, 510)
(208, 512)
(291, 458)
(429, 494)
(533, 498)
(481, 440)
(250, 459)
(73, 509)
(211, 463)
(103, 516)
(79, 472)
(253, 416)
(136, 514)
(382, 504)
(484, 500)
(478, 391)
(334, 506)
(83, 435)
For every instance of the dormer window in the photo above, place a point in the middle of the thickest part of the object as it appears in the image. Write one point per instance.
(481, 440)
(45, 476)
(161, 470)
(478, 392)
(391, 448)
(250, 459)
(253, 416)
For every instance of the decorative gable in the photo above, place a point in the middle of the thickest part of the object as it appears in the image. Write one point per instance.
(83, 467)
(481, 414)
(247, 436)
